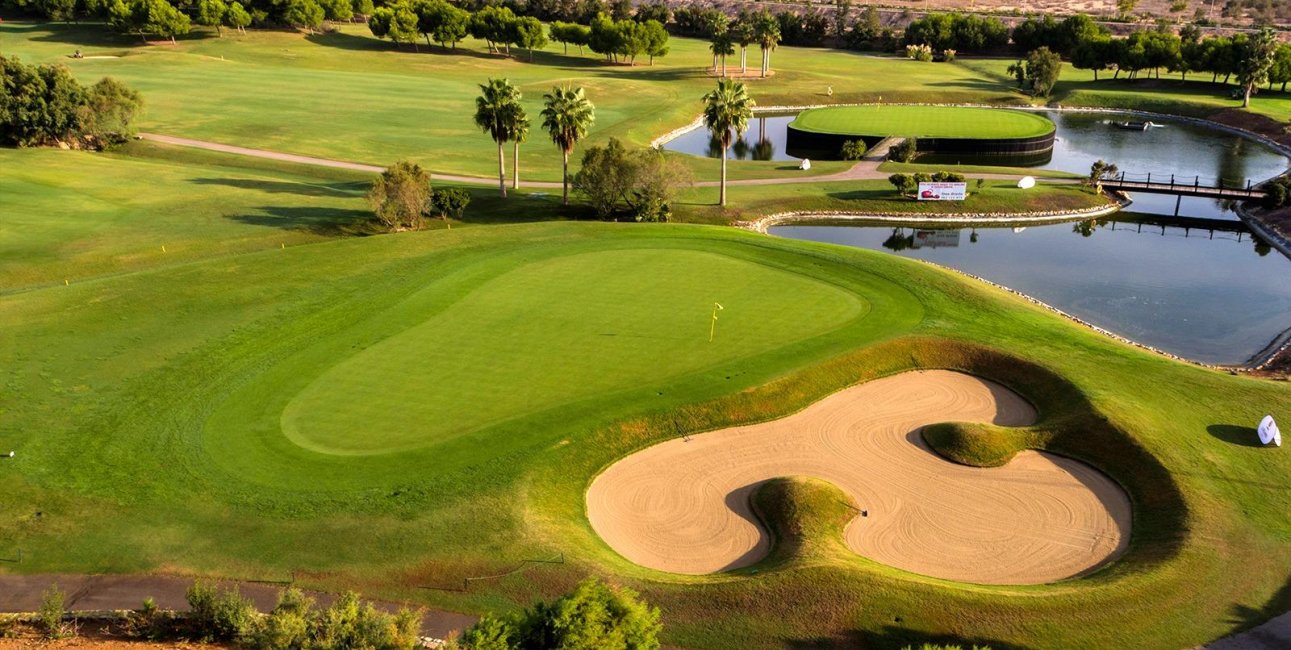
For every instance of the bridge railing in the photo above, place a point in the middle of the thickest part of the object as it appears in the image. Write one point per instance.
(1186, 181)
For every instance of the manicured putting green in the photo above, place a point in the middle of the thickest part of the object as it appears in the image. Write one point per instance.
(923, 122)
(552, 332)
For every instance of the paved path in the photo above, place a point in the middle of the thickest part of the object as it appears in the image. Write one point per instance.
(867, 169)
(1274, 634)
(22, 593)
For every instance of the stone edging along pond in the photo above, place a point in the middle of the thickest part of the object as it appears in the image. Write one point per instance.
(966, 218)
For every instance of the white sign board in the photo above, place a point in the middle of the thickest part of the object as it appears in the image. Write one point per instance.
(943, 191)
(1269, 431)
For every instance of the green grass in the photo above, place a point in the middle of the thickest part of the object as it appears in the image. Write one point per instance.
(349, 96)
(806, 518)
(923, 122)
(454, 391)
(978, 445)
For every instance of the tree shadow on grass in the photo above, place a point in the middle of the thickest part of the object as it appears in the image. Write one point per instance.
(327, 222)
(101, 35)
(1235, 434)
(894, 637)
(285, 187)
(1243, 617)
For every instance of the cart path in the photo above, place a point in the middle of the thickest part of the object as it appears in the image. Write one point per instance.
(22, 593)
(867, 170)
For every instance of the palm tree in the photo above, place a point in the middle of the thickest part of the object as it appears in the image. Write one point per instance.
(495, 113)
(566, 116)
(767, 29)
(742, 33)
(722, 46)
(727, 110)
(519, 135)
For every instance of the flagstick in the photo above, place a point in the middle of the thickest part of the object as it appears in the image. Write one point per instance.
(712, 328)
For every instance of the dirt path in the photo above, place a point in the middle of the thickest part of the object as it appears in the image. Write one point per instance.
(22, 593)
(683, 505)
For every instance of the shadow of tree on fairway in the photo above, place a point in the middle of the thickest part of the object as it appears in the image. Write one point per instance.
(286, 187)
(328, 222)
(894, 637)
(1244, 617)
(1235, 434)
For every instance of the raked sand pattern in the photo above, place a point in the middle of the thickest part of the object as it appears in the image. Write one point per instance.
(683, 506)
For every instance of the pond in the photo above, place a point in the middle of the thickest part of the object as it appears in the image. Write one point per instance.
(1206, 291)
(1187, 150)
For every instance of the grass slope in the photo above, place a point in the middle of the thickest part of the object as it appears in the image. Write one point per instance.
(923, 122)
(146, 408)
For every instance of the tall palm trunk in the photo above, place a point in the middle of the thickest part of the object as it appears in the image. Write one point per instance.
(744, 60)
(564, 174)
(721, 193)
(502, 170)
(723, 65)
(515, 165)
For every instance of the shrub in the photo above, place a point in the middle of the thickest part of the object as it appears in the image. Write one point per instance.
(948, 177)
(450, 202)
(854, 150)
(1278, 193)
(44, 105)
(400, 196)
(50, 614)
(948, 55)
(595, 615)
(904, 183)
(220, 615)
(148, 622)
(919, 52)
(904, 151)
(639, 185)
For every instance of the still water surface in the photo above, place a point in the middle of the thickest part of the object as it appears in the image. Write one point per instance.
(1216, 297)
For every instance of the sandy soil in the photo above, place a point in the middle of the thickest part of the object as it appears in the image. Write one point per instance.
(683, 505)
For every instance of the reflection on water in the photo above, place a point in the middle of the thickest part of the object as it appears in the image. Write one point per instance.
(1185, 151)
(1203, 289)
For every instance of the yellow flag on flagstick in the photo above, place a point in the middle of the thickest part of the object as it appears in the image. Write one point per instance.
(712, 329)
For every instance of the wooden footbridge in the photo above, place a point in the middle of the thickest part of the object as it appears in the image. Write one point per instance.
(1220, 189)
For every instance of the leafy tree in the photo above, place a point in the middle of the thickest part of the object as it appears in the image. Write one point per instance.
(341, 11)
(904, 151)
(1125, 7)
(530, 34)
(658, 11)
(449, 24)
(571, 34)
(1280, 72)
(304, 13)
(644, 183)
(853, 150)
(400, 196)
(604, 177)
(145, 17)
(727, 110)
(567, 116)
(1257, 60)
(1043, 68)
(655, 37)
(44, 104)
(905, 184)
(237, 17)
(493, 26)
(362, 8)
(210, 13)
(109, 109)
(450, 202)
(621, 10)
(497, 111)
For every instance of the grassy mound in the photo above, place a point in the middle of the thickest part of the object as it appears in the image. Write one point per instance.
(806, 518)
(923, 122)
(978, 445)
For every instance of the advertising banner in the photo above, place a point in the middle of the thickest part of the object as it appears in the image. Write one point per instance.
(943, 191)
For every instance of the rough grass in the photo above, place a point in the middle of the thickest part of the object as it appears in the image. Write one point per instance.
(806, 518)
(923, 122)
(977, 445)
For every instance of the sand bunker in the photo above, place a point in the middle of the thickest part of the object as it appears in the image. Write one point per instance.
(683, 506)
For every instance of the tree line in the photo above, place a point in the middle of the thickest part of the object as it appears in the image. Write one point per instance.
(43, 105)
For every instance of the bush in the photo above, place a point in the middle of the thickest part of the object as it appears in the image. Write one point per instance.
(400, 196)
(1278, 193)
(919, 52)
(148, 622)
(44, 105)
(904, 183)
(948, 177)
(450, 202)
(854, 150)
(595, 615)
(220, 615)
(904, 151)
(637, 185)
(50, 614)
